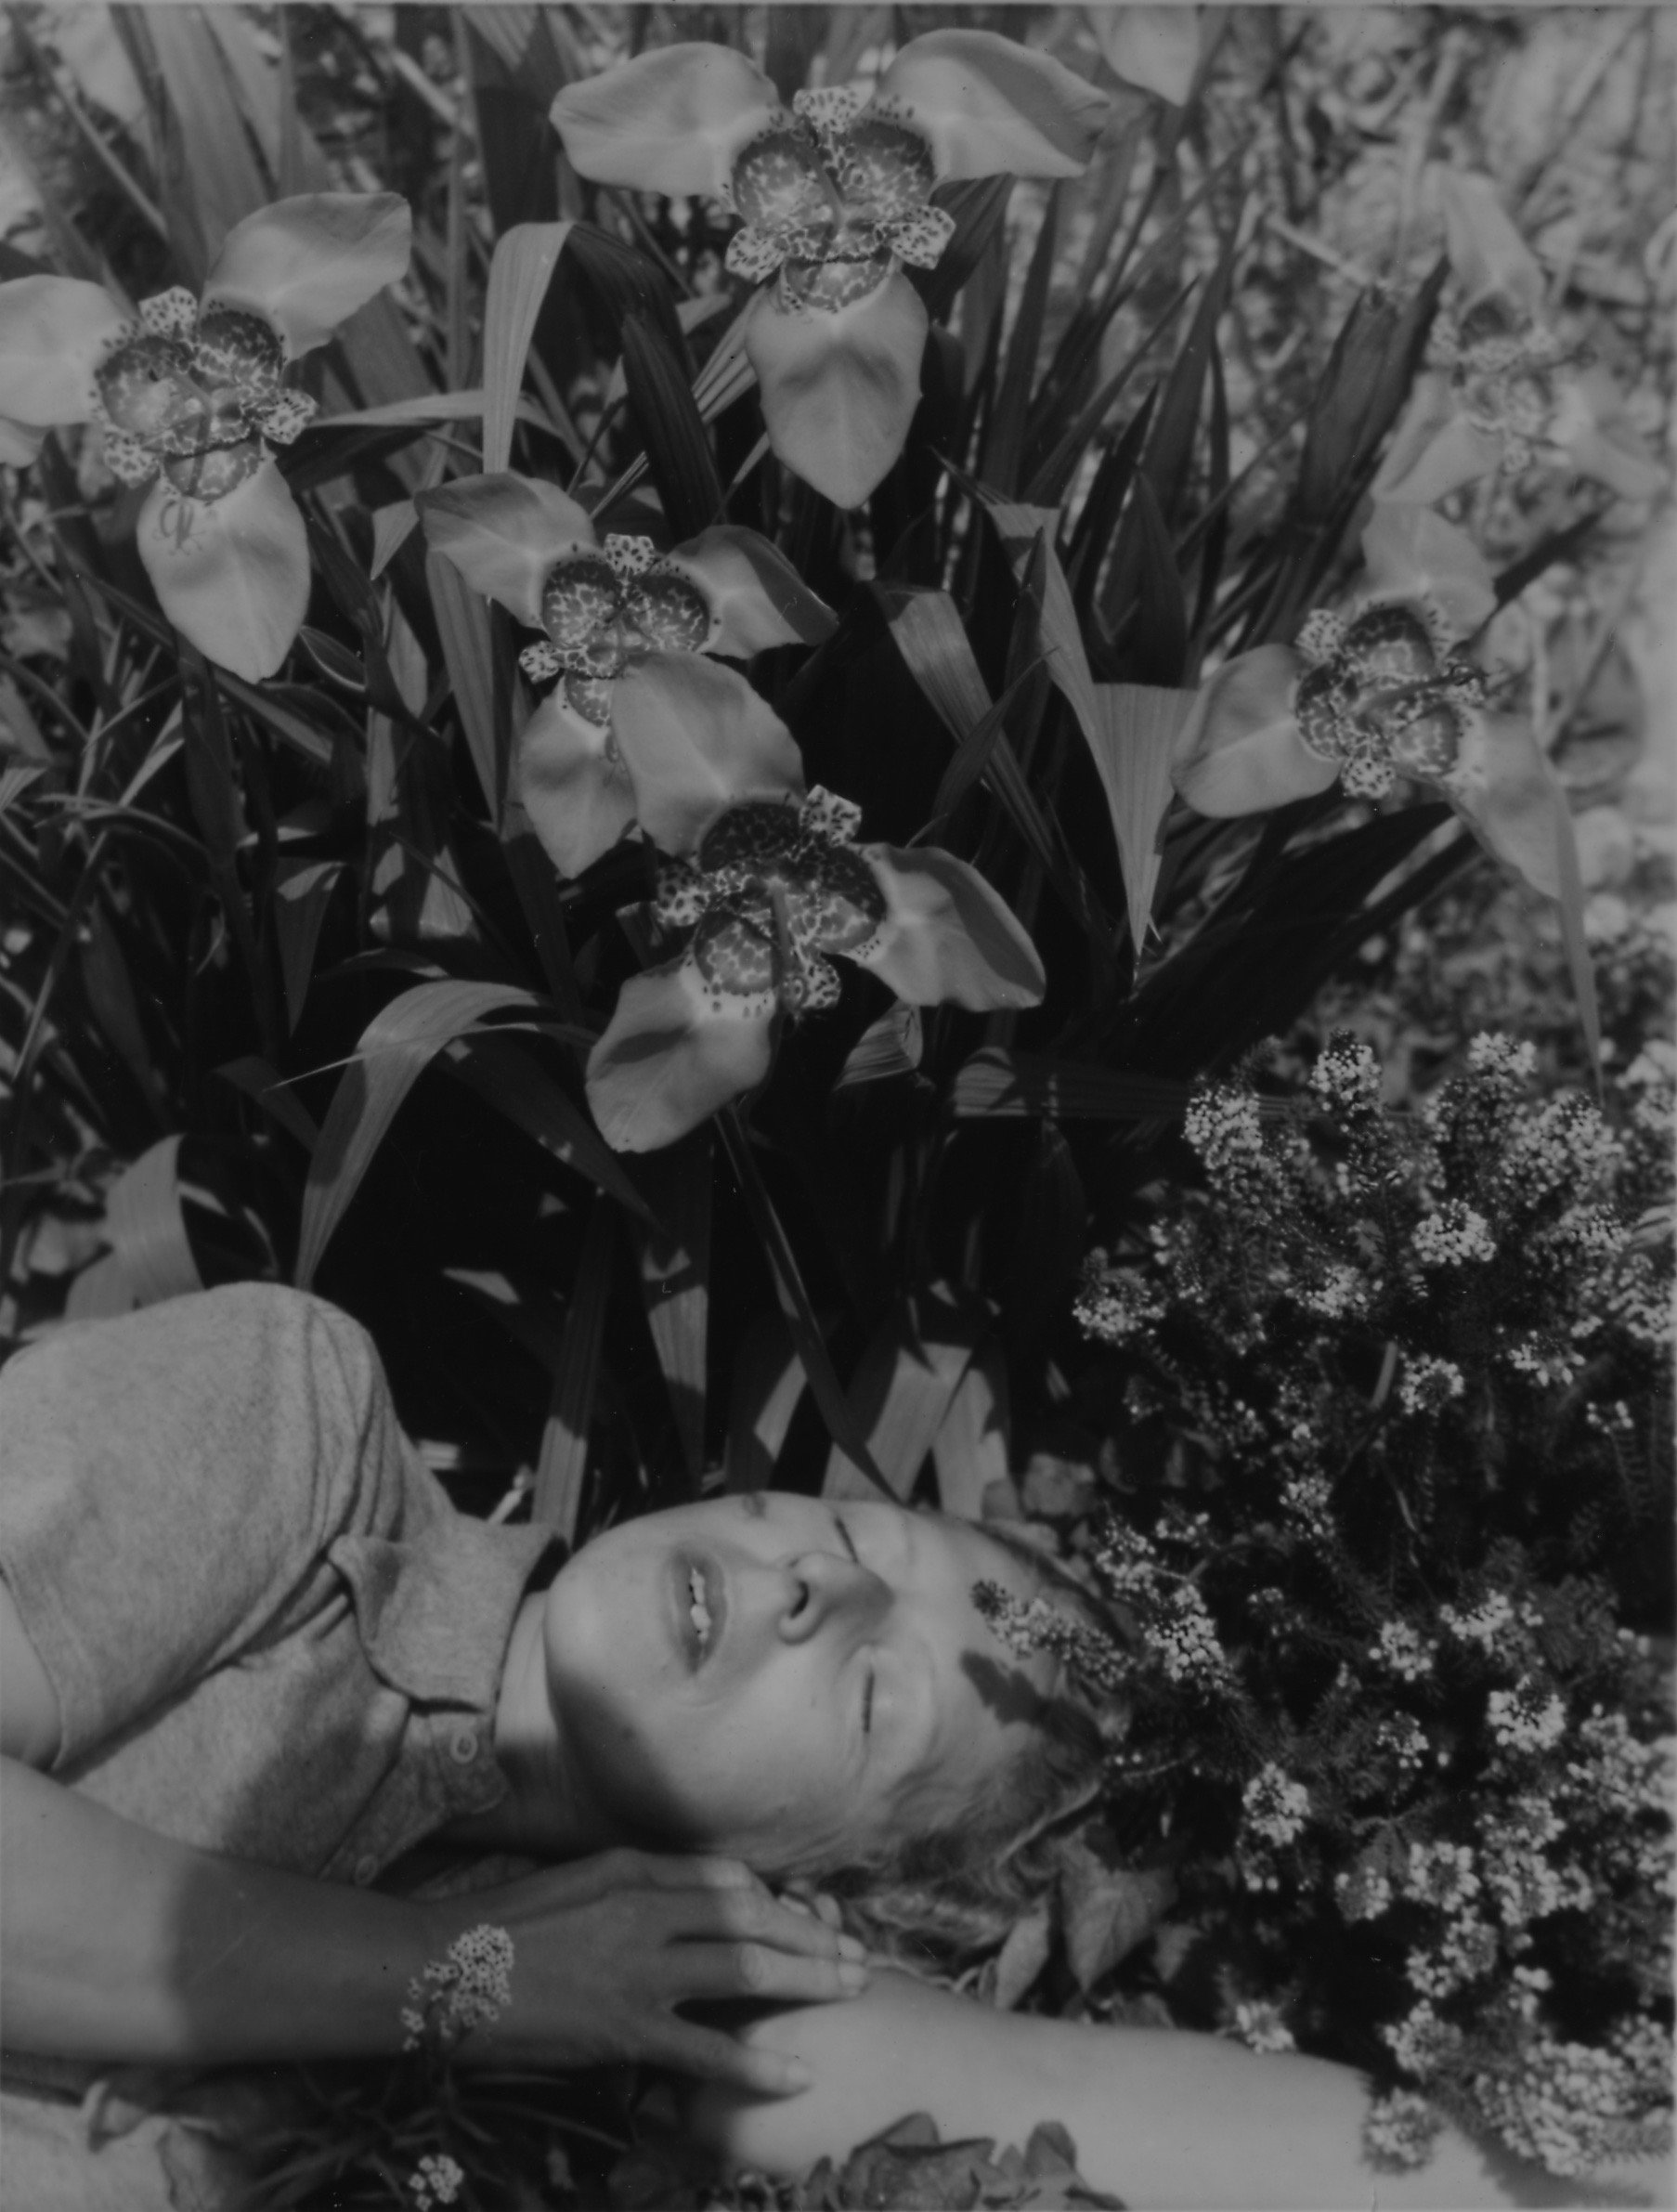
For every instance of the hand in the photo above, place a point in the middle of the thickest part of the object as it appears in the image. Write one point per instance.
(604, 1950)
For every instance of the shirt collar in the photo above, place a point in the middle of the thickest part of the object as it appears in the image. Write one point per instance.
(435, 1612)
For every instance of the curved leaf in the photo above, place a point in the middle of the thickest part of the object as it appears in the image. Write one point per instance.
(394, 1047)
(520, 271)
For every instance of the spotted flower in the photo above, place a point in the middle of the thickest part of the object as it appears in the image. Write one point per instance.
(1505, 391)
(776, 888)
(1385, 690)
(638, 726)
(835, 195)
(191, 399)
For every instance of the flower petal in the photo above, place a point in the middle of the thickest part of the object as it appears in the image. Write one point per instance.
(672, 120)
(1157, 48)
(1240, 752)
(839, 387)
(696, 738)
(307, 263)
(1598, 439)
(579, 801)
(989, 107)
(1490, 258)
(757, 598)
(672, 1054)
(18, 443)
(1435, 450)
(231, 574)
(947, 936)
(503, 533)
(1512, 797)
(1413, 554)
(52, 331)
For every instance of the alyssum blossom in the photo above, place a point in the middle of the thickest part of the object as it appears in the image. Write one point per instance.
(190, 396)
(638, 726)
(776, 886)
(835, 195)
(1503, 390)
(1382, 692)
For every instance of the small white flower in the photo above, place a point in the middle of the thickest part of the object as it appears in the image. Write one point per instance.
(1403, 1651)
(1453, 1236)
(438, 2179)
(1261, 2028)
(1427, 1386)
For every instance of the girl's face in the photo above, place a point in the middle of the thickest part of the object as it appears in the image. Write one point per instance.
(783, 1679)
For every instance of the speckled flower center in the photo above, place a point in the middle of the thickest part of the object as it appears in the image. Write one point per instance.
(833, 195)
(604, 610)
(194, 393)
(1504, 375)
(1381, 700)
(775, 889)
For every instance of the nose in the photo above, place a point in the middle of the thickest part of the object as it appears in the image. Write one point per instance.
(821, 1586)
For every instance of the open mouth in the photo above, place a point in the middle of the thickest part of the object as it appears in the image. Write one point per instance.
(700, 1605)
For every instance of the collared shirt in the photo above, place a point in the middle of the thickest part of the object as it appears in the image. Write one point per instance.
(270, 1632)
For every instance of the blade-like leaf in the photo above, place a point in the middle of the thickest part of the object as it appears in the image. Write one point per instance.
(1022, 1085)
(1136, 726)
(675, 1282)
(969, 1450)
(519, 274)
(393, 1050)
(794, 1300)
(899, 1396)
(465, 625)
(666, 415)
(261, 1082)
(1007, 437)
(564, 1462)
(508, 1079)
(303, 892)
(768, 1382)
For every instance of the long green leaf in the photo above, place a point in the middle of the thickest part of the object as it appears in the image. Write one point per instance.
(564, 1462)
(507, 1078)
(901, 1392)
(767, 1384)
(677, 449)
(393, 1051)
(519, 275)
(1137, 725)
(675, 1282)
(465, 625)
(1005, 442)
(794, 1302)
(1020, 1086)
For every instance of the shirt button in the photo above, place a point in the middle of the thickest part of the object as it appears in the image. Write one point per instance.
(367, 1868)
(463, 1745)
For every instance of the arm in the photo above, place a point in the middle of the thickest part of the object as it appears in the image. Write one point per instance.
(1160, 2117)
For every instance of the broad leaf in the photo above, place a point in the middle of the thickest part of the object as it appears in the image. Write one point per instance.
(1137, 730)
(520, 271)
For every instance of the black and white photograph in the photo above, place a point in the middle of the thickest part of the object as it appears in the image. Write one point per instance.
(838, 1069)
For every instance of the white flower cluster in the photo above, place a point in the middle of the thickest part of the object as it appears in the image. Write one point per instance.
(1224, 1128)
(438, 2179)
(1041, 1626)
(1466, 1952)
(1453, 1236)
(468, 1987)
(1183, 1638)
(1566, 2105)
(1401, 2128)
(1403, 1651)
(1405, 1740)
(1127, 1563)
(1363, 1893)
(1346, 1079)
(1113, 1303)
(1520, 1722)
(1273, 1807)
(1442, 1874)
(1261, 2028)
(1523, 1883)
(1340, 1293)
(1489, 1624)
(1501, 1061)
(1427, 1386)
(1613, 1772)
(1422, 2043)
(1309, 1499)
(1551, 1365)
(1561, 1149)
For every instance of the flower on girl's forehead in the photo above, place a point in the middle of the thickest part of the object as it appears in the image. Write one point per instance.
(835, 196)
(190, 398)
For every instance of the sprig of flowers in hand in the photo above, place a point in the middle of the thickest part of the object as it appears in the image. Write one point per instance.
(468, 1987)
(191, 397)
(639, 727)
(776, 890)
(1387, 690)
(835, 195)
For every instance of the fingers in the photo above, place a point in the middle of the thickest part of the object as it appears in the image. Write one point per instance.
(752, 1915)
(755, 1969)
(709, 2055)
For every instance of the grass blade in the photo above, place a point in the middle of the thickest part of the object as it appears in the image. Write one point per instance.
(1019, 1084)
(675, 1283)
(393, 1051)
(677, 452)
(506, 1078)
(1136, 727)
(519, 275)
(564, 1462)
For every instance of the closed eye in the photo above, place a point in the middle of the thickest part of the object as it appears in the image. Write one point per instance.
(845, 1539)
(868, 1704)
